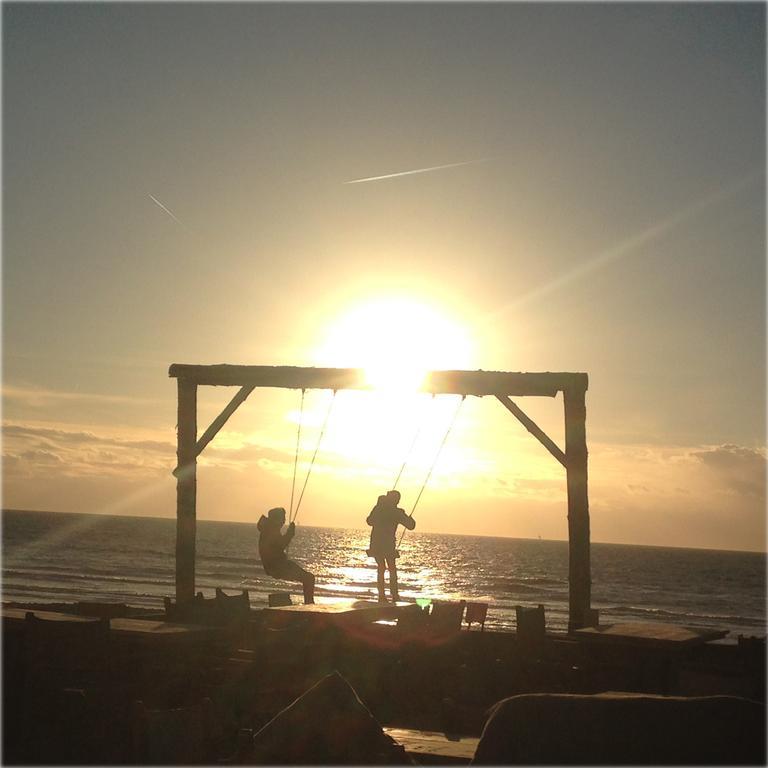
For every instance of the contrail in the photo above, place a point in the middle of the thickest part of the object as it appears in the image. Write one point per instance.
(170, 213)
(417, 170)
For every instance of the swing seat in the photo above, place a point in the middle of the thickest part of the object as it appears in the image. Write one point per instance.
(370, 553)
(279, 599)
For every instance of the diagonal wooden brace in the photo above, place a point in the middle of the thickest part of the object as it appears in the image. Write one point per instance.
(220, 421)
(533, 428)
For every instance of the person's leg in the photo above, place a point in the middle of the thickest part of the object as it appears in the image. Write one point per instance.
(291, 571)
(392, 565)
(308, 583)
(380, 584)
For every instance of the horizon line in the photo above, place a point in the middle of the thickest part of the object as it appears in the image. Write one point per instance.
(347, 528)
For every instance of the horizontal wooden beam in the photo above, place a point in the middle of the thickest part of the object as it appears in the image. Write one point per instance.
(477, 383)
(534, 429)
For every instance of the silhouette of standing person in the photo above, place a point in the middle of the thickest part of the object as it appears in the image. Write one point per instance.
(384, 519)
(272, 545)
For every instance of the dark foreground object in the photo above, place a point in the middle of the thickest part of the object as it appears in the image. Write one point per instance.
(327, 725)
(193, 686)
(623, 729)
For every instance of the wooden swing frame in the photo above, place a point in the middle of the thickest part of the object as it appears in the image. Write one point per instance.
(500, 384)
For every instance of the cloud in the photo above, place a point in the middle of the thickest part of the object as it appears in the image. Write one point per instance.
(40, 457)
(30, 450)
(659, 471)
(35, 397)
(240, 454)
(244, 453)
(527, 488)
(694, 495)
(53, 437)
(678, 495)
(540, 489)
(742, 470)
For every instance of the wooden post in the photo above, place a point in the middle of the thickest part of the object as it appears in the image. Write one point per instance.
(579, 577)
(186, 491)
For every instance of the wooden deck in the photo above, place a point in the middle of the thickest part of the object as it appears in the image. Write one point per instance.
(140, 630)
(647, 634)
(432, 748)
(343, 612)
(16, 616)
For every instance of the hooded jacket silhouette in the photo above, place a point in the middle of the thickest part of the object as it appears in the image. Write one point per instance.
(384, 519)
(272, 545)
(272, 542)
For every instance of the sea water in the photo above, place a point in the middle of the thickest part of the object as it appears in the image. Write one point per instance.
(61, 557)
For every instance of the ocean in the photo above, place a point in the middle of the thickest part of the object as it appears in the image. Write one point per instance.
(62, 557)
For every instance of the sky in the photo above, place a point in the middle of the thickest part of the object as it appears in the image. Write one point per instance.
(231, 183)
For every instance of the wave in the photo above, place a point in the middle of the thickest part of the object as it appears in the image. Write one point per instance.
(43, 577)
(85, 573)
(635, 610)
(227, 560)
(524, 589)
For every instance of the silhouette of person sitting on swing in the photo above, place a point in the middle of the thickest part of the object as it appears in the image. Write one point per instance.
(384, 519)
(272, 546)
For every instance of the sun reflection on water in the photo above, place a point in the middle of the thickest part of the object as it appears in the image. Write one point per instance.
(346, 570)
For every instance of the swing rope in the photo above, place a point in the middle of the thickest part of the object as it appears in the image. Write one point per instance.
(434, 463)
(296, 457)
(314, 456)
(410, 449)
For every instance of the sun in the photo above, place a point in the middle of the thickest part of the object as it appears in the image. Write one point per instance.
(396, 340)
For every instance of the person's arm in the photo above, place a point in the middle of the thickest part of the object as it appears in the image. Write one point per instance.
(371, 519)
(285, 539)
(406, 520)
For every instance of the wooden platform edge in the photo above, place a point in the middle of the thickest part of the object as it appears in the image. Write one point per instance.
(435, 748)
